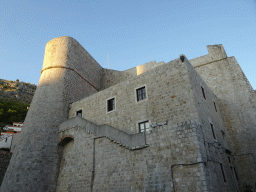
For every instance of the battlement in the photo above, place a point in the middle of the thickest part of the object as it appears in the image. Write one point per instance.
(216, 53)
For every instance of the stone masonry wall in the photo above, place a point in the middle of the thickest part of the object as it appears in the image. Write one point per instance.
(214, 148)
(15, 141)
(5, 157)
(225, 78)
(35, 164)
(113, 77)
(169, 97)
(171, 162)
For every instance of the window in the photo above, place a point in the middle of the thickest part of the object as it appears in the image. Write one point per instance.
(213, 134)
(236, 174)
(111, 105)
(203, 92)
(229, 160)
(215, 106)
(79, 113)
(141, 93)
(223, 174)
(6, 140)
(144, 126)
(223, 134)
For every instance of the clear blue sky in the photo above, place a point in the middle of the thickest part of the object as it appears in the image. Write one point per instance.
(132, 32)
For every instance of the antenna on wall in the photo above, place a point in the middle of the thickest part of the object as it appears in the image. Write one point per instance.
(108, 63)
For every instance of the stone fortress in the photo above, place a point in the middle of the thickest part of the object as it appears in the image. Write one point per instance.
(185, 125)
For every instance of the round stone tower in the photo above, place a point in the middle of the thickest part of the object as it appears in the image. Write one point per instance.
(69, 73)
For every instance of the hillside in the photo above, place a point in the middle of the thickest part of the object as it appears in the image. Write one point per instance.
(17, 91)
(15, 98)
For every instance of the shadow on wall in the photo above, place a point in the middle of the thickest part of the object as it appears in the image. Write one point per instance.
(249, 188)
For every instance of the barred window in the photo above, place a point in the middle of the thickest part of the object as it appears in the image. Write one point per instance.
(141, 93)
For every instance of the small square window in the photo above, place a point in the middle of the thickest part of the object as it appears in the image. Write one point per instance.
(144, 126)
(79, 113)
(141, 93)
(111, 104)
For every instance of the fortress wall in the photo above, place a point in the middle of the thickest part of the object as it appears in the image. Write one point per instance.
(206, 108)
(113, 77)
(15, 141)
(216, 52)
(5, 157)
(226, 79)
(73, 56)
(76, 165)
(75, 87)
(171, 162)
(35, 159)
(34, 167)
(213, 155)
(169, 97)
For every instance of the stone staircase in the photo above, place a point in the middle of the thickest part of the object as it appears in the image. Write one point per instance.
(130, 141)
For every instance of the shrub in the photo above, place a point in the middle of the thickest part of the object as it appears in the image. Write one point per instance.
(17, 85)
(5, 86)
(11, 81)
(17, 80)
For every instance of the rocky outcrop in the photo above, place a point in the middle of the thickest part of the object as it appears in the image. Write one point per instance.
(17, 91)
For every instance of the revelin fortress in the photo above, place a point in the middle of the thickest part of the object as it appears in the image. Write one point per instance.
(185, 125)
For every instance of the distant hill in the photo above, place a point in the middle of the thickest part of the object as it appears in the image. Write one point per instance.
(17, 91)
(15, 98)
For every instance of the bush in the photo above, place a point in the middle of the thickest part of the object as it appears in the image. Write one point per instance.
(17, 80)
(11, 81)
(17, 85)
(5, 86)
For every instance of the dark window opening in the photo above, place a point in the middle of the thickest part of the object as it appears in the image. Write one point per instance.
(213, 132)
(223, 134)
(111, 104)
(6, 140)
(79, 113)
(141, 93)
(203, 92)
(236, 174)
(223, 174)
(144, 126)
(229, 160)
(215, 106)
